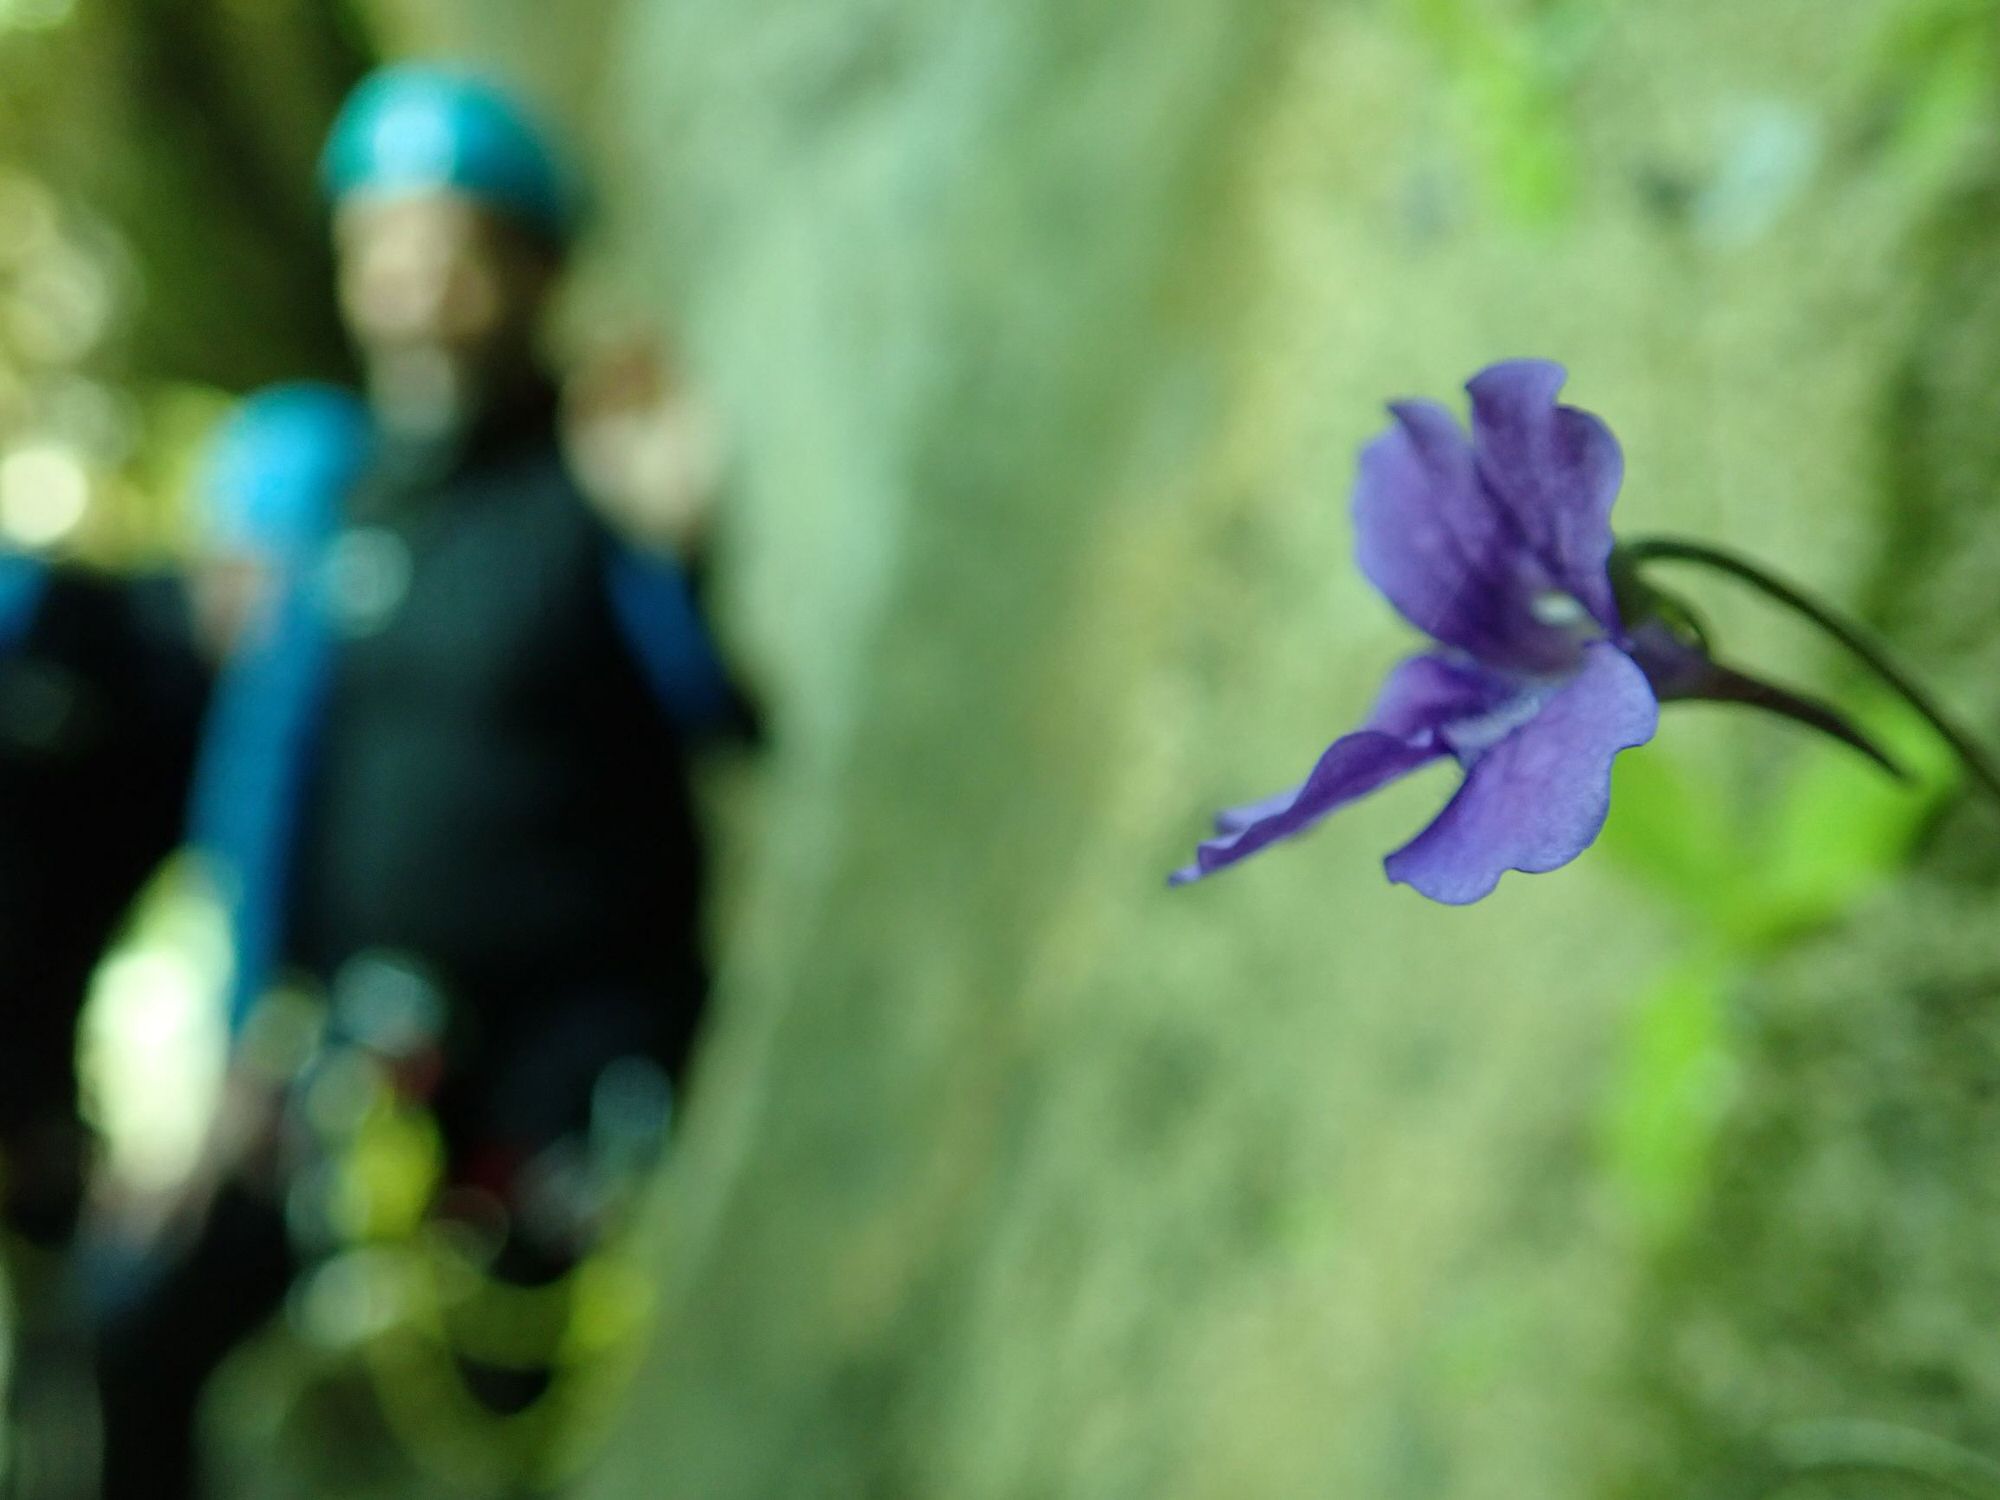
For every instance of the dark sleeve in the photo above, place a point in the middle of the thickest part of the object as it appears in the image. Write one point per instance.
(658, 604)
(742, 723)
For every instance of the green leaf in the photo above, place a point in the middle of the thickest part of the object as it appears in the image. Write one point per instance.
(1672, 832)
(1841, 826)
(1668, 1096)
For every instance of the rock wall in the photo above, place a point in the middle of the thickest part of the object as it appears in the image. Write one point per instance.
(1048, 330)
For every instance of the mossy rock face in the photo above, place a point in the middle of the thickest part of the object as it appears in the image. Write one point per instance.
(1047, 333)
(1846, 1267)
(1843, 1267)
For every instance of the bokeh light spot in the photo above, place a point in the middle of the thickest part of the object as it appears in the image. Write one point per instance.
(44, 493)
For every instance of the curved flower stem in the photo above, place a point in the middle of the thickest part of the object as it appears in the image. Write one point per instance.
(1852, 636)
(1858, 1447)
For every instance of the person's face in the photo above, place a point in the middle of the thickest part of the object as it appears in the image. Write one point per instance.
(441, 297)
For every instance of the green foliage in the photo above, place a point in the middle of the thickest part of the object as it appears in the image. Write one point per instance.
(1747, 883)
(1751, 879)
(1667, 1099)
(1934, 79)
(1512, 69)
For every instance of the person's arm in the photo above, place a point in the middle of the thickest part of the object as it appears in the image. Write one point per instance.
(658, 605)
(647, 453)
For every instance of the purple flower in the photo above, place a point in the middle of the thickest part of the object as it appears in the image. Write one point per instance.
(1498, 548)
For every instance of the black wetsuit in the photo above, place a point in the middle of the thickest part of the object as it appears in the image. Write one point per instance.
(497, 797)
(500, 797)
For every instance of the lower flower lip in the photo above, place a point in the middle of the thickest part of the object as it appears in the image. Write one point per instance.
(1468, 739)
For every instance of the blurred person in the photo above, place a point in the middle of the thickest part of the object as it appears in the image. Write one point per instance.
(100, 700)
(445, 784)
(268, 500)
(104, 681)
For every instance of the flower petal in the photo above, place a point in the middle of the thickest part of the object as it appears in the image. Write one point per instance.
(1352, 766)
(1425, 693)
(1555, 470)
(1424, 535)
(1538, 798)
(1438, 545)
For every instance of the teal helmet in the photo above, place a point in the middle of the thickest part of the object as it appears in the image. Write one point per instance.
(419, 127)
(279, 470)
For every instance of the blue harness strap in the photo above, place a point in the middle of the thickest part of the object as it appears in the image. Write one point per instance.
(250, 783)
(277, 481)
(23, 582)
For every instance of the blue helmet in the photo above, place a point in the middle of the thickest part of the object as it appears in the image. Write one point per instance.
(280, 468)
(418, 127)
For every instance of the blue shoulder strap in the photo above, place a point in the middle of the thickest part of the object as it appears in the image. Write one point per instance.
(655, 605)
(277, 480)
(250, 782)
(23, 581)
